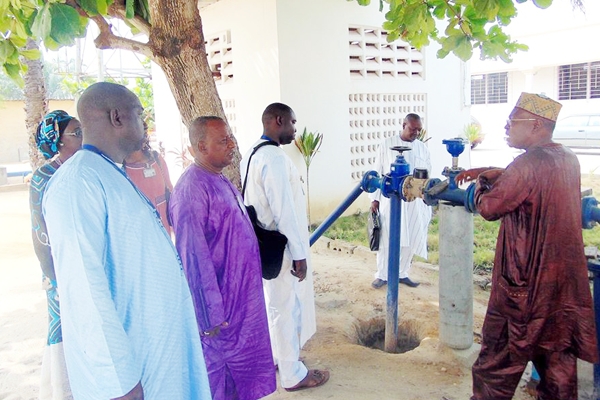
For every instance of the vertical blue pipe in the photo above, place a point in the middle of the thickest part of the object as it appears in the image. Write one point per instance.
(391, 320)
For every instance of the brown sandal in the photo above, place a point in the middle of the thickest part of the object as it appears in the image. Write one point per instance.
(313, 379)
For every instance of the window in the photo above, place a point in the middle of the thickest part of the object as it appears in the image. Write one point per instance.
(579, 81)
(489, 88)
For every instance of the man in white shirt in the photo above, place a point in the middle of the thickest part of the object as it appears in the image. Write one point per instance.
(415, 215)
(275, 190)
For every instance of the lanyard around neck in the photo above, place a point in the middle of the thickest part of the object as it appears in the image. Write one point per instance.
(96, 150)
(265, 137)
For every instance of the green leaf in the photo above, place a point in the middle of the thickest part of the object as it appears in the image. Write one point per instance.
(507, 8)
(67, 24)
(32, 54)
(16, 4)
(6, 50)
(18, 28)
(4, 6)
(439, 11)
(91, 7)
(392, 35)
(441, 53)
(43, 23)
(464, 50)
(14, 72)
(486, 8)
(18, 41)
(129, 9)
(542, 3)
(50, 44)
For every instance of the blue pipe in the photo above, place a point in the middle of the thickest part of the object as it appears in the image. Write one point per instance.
(590, 213)
(369, 183)
(336, 213)
(391, 320)
(437, 190)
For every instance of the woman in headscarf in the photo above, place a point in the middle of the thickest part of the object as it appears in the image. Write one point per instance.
(58, 137)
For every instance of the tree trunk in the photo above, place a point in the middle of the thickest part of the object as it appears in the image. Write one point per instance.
(177, 44)
(36, 103)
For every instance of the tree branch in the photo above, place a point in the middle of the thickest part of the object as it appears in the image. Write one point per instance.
(108, 40)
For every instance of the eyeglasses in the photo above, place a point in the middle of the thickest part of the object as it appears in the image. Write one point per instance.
(77, 133)
(511, 120)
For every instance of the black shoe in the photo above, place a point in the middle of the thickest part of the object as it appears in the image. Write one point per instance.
(378, 283)
(406, 281)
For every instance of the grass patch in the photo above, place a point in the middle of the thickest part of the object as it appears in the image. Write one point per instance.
(353, 229)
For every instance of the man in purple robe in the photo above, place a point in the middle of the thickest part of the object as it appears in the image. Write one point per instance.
(221, 259)
(540, 307)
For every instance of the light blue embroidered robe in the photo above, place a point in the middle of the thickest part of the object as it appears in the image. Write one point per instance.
(126, 308)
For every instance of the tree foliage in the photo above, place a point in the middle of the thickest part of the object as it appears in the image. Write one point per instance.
(470, 25)
(172, 38)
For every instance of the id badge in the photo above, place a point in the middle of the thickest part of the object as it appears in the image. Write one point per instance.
(149, 172)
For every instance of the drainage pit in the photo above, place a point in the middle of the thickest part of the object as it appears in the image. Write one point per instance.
(371, 334)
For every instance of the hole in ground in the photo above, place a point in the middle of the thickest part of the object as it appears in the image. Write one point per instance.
(371, 334)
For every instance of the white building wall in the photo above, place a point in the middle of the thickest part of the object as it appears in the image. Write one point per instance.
(315, 80)
(297, 52)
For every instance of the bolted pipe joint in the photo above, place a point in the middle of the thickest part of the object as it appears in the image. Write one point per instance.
(590, 213)
(436, 190)
(371, 181)
(413, 186)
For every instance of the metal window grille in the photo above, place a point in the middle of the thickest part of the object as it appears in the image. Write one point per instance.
(489, 88)
(478, 89)
(497, 88)
(573, 81)
(595, 80)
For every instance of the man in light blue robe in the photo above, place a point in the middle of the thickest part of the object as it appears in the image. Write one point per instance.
(129, 327)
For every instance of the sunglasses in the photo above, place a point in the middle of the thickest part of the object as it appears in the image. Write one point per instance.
(77, 133)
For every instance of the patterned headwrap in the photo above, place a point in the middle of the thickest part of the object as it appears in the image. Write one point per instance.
(49, 131)
(539, 105)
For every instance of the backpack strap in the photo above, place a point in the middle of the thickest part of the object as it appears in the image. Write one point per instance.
(258, 146)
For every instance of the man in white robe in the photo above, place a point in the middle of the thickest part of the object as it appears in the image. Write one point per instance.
(275, 190)
(128, 320)
(415, 215)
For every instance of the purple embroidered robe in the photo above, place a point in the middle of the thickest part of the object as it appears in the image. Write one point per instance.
(220, 255)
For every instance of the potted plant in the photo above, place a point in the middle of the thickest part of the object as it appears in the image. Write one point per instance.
(308, 143)
(473, 134)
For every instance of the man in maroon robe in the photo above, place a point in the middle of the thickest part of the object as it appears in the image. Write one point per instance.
(220, 255)
(540, 306)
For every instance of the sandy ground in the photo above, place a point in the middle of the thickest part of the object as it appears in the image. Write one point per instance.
(344, 298)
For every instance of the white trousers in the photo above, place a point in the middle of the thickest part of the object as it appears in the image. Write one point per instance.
(284, 312)
(55, 382)
(406, 256)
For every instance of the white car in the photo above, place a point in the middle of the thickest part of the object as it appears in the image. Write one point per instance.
(578, 131)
